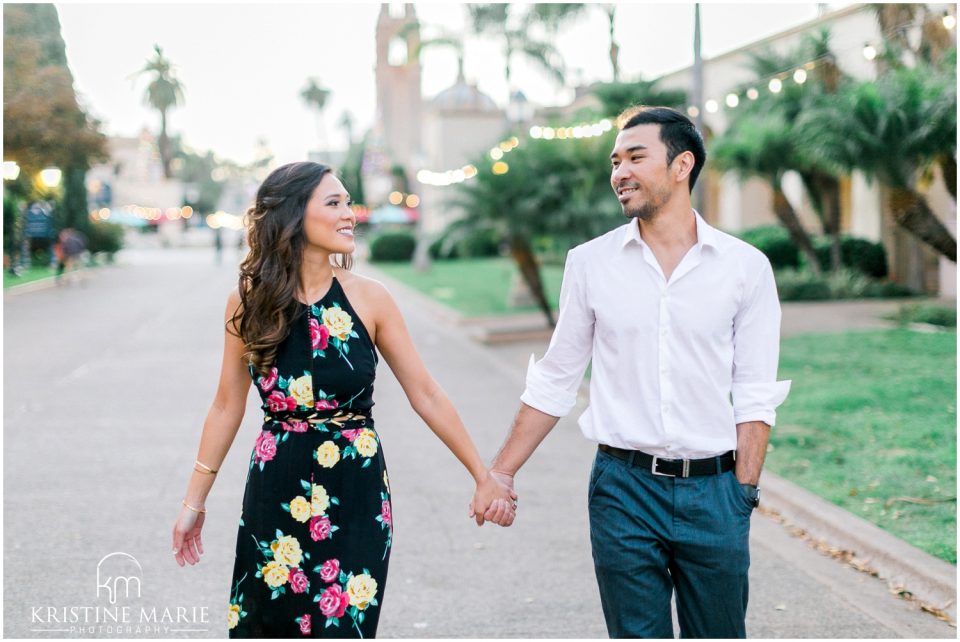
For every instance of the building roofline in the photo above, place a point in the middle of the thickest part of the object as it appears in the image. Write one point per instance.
(805, 26)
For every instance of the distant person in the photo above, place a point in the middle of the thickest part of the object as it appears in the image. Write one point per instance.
(682, 323)
(316, 530)
(69, 248)
(218, 245)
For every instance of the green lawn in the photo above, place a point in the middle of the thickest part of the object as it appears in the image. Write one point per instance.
(870, 424)
(33, 273)
(475, 287)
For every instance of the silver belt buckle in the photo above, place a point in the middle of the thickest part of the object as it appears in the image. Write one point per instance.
(653, 468)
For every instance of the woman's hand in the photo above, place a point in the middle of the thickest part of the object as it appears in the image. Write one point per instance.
(187, 546)
(494, 500)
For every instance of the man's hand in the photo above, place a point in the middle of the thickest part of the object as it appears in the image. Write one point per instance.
(494, 500)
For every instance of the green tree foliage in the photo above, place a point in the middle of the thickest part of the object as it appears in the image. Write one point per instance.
(43, 123)
(617, 96)
(892, 129)
(558, 189)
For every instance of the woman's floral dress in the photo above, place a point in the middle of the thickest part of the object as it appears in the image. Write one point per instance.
(316, 529)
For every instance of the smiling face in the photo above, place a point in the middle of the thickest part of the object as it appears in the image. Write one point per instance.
(328, 221)
(640, 176)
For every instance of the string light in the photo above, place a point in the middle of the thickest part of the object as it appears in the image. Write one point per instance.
(732, 100)
(869, 52)
(800, 76)
(752, 93)
(949, 21)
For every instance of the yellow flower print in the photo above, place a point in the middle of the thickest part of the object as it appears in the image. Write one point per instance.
(301, 389)
(328, 454)
(300, 508)
(338, 322)
(366, 443)
(275, 574)
(286, 550)
(233, 616)
(319, 500)
(361, 589)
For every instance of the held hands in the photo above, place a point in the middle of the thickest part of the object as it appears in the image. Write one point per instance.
(186, 536)
(494, 500)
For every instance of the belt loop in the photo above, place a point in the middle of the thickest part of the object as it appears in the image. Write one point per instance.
(632, 459)
(717, 461)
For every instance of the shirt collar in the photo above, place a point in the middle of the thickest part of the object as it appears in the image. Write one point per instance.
(706, 234)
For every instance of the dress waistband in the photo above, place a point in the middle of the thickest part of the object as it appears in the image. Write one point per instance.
(292, 421)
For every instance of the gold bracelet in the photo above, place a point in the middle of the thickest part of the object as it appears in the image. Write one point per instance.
(195, 510)
(206, 468)
(202, 471)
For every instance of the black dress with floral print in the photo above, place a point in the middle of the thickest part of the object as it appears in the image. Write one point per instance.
(315, 534)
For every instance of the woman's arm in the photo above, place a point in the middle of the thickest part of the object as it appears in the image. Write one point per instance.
(427, 398)
(219, 430)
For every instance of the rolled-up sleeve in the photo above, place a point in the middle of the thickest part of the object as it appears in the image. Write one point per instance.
(552, 382)
(756, 393)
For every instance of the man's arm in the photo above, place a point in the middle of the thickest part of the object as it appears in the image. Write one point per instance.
(752, 437)
(552, 384)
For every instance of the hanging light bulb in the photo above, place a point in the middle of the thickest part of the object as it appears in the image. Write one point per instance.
(775, 85)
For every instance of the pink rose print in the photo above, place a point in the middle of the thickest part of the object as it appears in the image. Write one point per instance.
(266, 447)
(330, 571)
(333, 602)
(323, 404)
(278, 402)
(295, 425)
(385, 512)
(267, 383)
(351, 434)
(320, 528)
(305, 624)
(318, 335)
(298, 580)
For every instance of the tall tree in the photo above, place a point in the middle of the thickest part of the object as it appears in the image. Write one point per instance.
(496, 20)
(892, 129)
(316, 98)
(164, 92)
(552, 15)
(43, 121)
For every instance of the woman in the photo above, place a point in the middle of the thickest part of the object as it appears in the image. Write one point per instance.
(316, 528)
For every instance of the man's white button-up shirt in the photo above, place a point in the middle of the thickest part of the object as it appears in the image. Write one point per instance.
(676, 364)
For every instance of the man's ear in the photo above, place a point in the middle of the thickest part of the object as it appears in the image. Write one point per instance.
(682, 165)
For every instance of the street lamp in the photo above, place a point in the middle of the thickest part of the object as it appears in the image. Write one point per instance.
(51, 176)
(10, 170)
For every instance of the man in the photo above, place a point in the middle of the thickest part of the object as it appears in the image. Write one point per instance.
(678, 318)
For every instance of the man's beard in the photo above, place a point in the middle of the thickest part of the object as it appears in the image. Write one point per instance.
(649, 209)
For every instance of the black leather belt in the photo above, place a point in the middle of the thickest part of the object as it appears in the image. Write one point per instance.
(673, 467)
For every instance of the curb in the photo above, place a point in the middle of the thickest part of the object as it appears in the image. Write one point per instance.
(930, 580)
(927, 578)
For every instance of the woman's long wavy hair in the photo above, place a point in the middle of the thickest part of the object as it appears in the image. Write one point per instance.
(270, 274)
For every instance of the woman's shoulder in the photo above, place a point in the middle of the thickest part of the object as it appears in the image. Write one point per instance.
(366, 287)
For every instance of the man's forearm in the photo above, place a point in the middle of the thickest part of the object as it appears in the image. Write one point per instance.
(530, 427)
(752, 439)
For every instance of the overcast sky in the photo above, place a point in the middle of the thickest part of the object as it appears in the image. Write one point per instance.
(243, 65)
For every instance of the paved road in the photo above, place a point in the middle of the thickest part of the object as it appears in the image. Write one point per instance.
(106, 389)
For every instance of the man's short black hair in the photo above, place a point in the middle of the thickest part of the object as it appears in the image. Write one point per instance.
(677, 132)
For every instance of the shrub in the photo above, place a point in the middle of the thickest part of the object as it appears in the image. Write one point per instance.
(104, 237)
(800, 285)
(774, 241)
(479, 243)
(859, 254)
(393, 246)
(926, 313)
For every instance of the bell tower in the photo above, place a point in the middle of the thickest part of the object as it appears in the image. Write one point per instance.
(398, 83)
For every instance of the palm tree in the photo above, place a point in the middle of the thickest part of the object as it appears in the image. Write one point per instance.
(550, 190)
(164, 92)
(495, 20)
(617, 96)
(821, 185)
(893, 129)
(552, 15)
(316, 97)
(764, 146)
